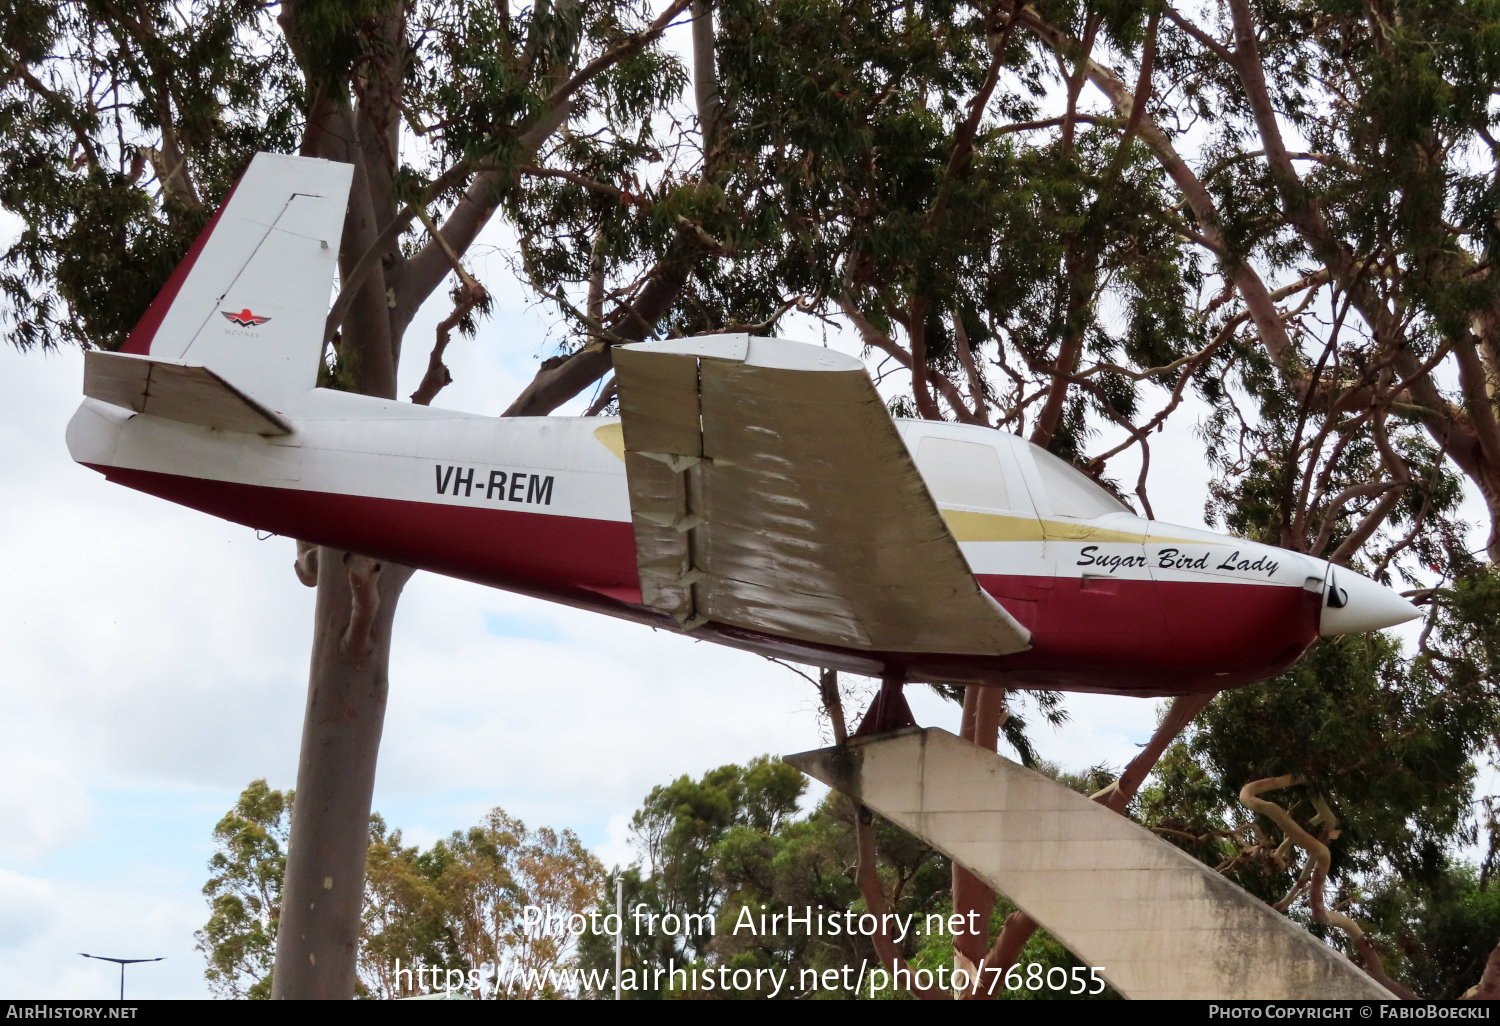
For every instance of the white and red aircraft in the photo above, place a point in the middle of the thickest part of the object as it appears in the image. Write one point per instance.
(754, 491)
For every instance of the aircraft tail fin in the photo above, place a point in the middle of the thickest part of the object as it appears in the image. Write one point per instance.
(176, 391)
(249, 300)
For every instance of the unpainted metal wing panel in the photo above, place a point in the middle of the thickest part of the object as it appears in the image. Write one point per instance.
(659, 413)
(665, 563)
(794, 508)
(176, 391)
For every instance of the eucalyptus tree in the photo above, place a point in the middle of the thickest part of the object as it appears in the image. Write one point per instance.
(1008, 261)
(1048, 218)
(1338, 157)
(123, 126)
(1335, 163)
(938, 175)
(244, 893)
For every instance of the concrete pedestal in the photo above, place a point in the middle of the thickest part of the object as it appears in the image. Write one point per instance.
(1156, 922)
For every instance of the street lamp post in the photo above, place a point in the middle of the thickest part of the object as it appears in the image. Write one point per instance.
(123, 963)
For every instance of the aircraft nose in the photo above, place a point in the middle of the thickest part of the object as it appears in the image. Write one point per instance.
(1353, 604)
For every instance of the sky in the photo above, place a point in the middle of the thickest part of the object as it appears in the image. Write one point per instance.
(153, 661)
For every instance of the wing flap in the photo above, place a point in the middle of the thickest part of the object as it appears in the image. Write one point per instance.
(659, 508)
(771, 491)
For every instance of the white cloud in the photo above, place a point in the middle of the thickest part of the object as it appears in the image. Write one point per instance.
(617, 850)
(26, 908)
(43, 804)
(155, 662)
(44, 925)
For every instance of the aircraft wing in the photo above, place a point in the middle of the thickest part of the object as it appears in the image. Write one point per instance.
(770, 491)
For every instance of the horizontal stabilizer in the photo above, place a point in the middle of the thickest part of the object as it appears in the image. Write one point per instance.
(177, 391)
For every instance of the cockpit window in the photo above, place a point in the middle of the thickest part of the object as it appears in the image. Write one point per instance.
(962, 473)
(1071, 492)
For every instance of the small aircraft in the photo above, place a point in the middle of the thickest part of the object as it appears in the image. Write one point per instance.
(754, 492)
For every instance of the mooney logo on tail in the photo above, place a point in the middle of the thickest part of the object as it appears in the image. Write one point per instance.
(244, 318)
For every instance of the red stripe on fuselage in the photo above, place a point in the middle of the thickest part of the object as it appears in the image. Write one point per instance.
(556, 556)
(1152, 637)
(1094, 634)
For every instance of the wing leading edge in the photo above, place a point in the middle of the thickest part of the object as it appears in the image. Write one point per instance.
(771, 491)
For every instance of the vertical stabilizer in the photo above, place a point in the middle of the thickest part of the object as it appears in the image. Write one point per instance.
(249, 300)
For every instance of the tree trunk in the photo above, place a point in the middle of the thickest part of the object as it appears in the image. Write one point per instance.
(984, 711)
(317, 940)
(318, 936)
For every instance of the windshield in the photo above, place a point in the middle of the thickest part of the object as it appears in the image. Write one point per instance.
(1071, 492)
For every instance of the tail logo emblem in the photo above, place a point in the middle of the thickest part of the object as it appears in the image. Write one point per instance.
(244, 318)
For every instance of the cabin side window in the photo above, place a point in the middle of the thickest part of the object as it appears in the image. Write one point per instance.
(1071, 492)
(962, 473)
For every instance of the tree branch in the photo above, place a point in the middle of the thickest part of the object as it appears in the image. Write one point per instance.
(558, 382)
(639, 202)
(64, 109)
(437, 376)
(1398, 469)
(1319, 856)
(1252, 289)
(971, 369)
(364, 583)
(1084, 54)
(963, 139)
(419, 276)
(384, 244)
(705, 76)
(1488, 988)
(1339, 501)
(877, 339)
(1209, 43)
(628, 47)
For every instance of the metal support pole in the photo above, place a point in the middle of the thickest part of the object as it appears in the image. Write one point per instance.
(620, 933)
(889, 711)
(122, 962)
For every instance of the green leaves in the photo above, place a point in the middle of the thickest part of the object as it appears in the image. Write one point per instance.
(244, 893)
(458, 905)
(119, 131)
(461, 904)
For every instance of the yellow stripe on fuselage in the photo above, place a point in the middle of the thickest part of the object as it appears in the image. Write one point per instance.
(968, 526)
(971, 526)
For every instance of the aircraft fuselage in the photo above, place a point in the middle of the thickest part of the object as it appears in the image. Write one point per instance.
(539, 506)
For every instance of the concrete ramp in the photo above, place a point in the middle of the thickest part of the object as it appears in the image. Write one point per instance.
(1156, 922)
